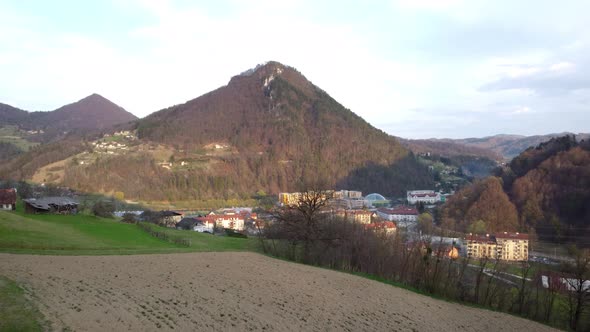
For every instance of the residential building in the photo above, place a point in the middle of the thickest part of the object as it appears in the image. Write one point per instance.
(204, 227)
(227, 220)
(208, 224)
(360, 216)
(169, 218)
(8, 199)
(503, 246)
(348, 194)
(346, 199)
(400, 214)
(423, 196)
(293, 199)
(513, 246)
(388, 227)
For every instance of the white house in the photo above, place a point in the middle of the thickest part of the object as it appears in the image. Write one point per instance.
(204, 227)
(399, 214)
(423, 196)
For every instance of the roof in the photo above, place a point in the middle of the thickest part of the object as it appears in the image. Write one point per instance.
(169, 214)
(513, 236)
(405, 210)
(381, 225)
(424, 195)
(375, 197)
(46, 203)
(188, 223)
(481, 238)
(365, 212)
(8, 196)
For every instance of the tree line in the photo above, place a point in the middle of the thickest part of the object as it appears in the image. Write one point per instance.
(305, 233)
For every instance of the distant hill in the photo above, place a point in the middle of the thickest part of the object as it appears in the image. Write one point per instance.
(91, 113)
(548, 185)
(13, 116)
(268, 130)
(509, 146)
(448, 148)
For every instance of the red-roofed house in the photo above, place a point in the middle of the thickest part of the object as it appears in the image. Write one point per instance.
(8, 199)
(229, 220)
(387, 226)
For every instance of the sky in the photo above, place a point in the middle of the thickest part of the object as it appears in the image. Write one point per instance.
(413, 68)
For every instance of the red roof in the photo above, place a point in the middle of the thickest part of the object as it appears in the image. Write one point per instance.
(381, 225)
(8, 196)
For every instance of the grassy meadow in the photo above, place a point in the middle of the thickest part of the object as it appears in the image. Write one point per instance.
(89, 235)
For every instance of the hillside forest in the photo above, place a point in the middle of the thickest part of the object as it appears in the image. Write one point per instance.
(545, 190)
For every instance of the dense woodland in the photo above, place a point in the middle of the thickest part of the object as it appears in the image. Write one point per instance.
(546, 188)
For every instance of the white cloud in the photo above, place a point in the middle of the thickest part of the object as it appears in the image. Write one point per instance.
(561, 66)
(522, 110)
(423, 54)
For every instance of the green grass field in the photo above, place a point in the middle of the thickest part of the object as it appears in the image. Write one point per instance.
(17, 313)
(89, 235)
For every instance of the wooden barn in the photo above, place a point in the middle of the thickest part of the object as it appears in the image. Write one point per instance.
(55, 205)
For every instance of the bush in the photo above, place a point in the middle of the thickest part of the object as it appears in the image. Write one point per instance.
(232, 233)
(103, 209)
(129, 218)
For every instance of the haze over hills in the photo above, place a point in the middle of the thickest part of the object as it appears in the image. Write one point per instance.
(510, 146)
(448, 148)
(269, 129)
(92, 112)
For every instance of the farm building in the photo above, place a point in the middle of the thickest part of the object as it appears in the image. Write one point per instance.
(187, 223)
(8, 199)
(57, 205)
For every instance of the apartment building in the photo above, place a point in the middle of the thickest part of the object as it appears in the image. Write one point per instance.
(504, 246)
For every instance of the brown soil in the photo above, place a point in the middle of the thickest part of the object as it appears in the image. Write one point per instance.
(230, 291)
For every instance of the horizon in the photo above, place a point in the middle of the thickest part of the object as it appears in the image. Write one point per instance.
(461, 70)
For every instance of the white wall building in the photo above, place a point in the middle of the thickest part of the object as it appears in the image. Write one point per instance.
(399, 214)
(423, 196)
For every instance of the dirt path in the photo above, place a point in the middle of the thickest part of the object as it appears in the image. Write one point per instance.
(230, 291)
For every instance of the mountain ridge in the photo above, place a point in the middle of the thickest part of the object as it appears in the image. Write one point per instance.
(268, 130)
(93, 112)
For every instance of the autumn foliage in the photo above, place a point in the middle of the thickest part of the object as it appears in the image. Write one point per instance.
(546, 188)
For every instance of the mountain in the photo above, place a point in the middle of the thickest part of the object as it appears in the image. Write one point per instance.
(448, 148)
(91, 113)
(509, 146)
(549, 185)
(13, 116)
(268, 130)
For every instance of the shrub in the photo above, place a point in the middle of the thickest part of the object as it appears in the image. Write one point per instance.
(103, 209)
